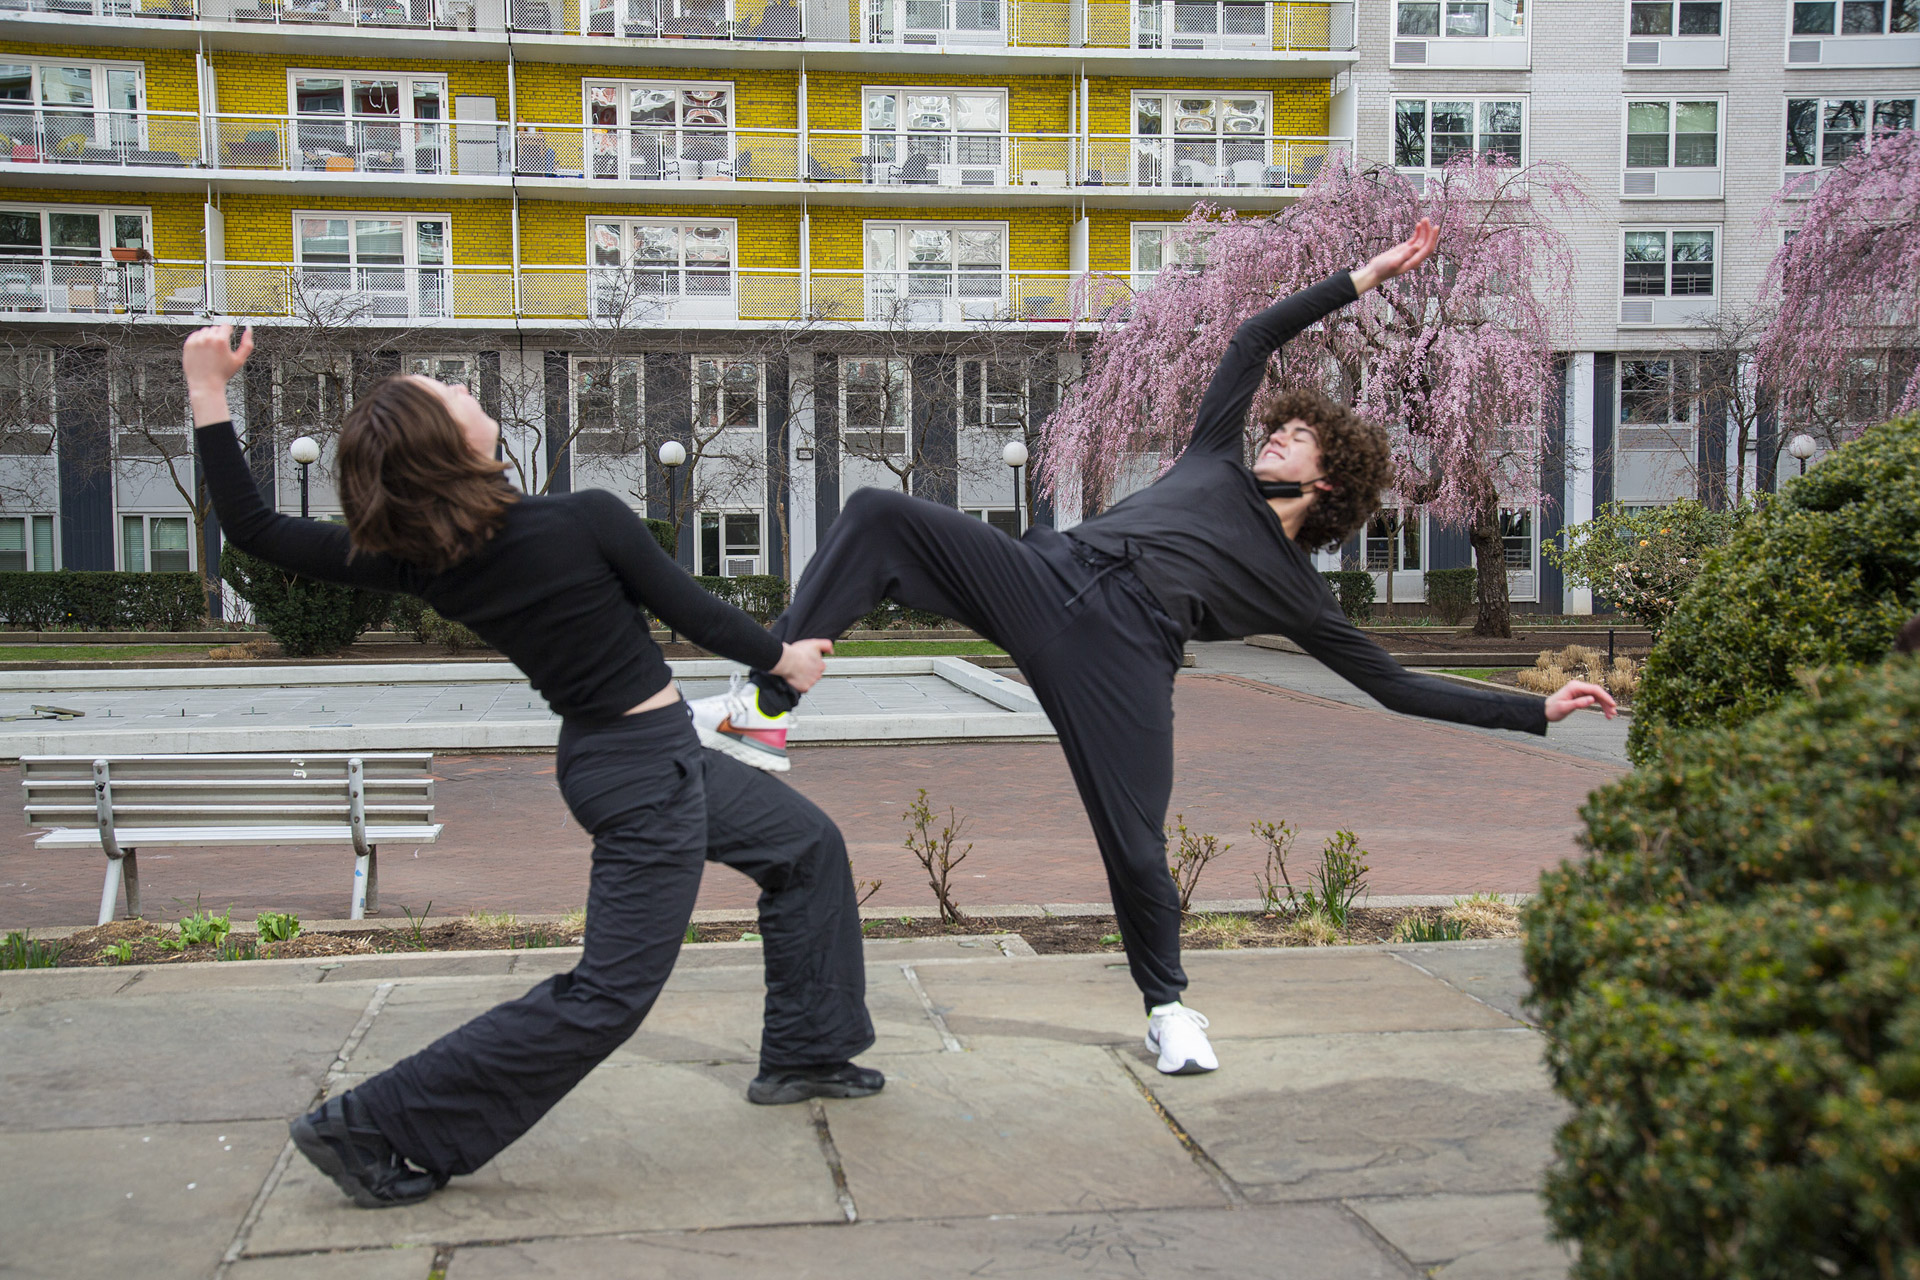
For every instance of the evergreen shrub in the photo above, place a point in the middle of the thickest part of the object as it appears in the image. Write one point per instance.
(455, 636)
(663, 533)
(1452, 593)
(1354, 588)
(89, 600)
(1730, 987)
(763, 595)
(1820, 577)
(897, 617)
(306, 616)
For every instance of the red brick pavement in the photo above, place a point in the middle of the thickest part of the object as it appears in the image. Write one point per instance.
(1440, 809)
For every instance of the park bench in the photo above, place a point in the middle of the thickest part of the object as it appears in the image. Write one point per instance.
(119, 804)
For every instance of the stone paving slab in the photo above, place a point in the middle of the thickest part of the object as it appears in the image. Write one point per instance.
(159, 1201)
(642, 1147)
(1491, 1236)
(411, 1263)
(1052, 1128)
(186, 1056)
(1246, 994)
(1400, 1113)
(1272, 1242)
(1491, 972)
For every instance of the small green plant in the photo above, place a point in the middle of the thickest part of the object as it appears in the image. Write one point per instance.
(200, 928)
(751, 937)
(1190, 856)
(276, 926)
(935, 852)
(692, 934)
(862, 889)
(1109, 939)
(1417, 928)
(117, 953)
(20, 951)
(236, 949)
(1342, 877)
(417, 927)
(1277, 893)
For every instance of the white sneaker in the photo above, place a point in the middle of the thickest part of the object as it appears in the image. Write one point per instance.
(733, 723)
(1179, 1036)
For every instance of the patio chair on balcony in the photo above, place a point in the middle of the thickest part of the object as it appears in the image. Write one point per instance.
(917, 170)
(258, 147)
(780, 20)
(817, 172)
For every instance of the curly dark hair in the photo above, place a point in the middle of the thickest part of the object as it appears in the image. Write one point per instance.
(1353, 457)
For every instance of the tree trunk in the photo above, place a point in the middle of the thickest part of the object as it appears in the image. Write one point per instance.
(1489, 557)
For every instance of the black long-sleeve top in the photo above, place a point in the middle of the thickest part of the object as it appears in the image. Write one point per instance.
(558, 589)
(1215, 555)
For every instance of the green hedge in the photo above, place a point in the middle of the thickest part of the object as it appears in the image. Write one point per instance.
(663, 533)
(79, 600)
(761, 594)
(1452, 593)
(1730, 988)
(306, 616)
(897, 617)
(1354, 588)
(1821, 577)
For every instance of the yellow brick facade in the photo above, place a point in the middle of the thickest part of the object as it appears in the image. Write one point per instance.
(260, 227)
(178, 220)
(169, 73)
(256, 83)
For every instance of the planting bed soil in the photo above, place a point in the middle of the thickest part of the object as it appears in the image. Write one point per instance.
(1627, 643)
(146, 943)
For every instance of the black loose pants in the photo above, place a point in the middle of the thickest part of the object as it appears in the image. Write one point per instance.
(659, 807)
(1099, 650)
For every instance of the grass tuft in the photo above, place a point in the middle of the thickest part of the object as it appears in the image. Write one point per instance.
(20, 951)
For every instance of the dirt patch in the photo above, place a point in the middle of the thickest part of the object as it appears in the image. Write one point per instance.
(145, 943)
(1626, 644)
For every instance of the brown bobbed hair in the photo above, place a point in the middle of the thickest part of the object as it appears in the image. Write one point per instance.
(411, 485)
(1354, 458)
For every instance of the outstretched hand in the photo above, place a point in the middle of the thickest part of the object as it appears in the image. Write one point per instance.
(1400, 259)
(1578, 695)
(209, 359)
(803, 662)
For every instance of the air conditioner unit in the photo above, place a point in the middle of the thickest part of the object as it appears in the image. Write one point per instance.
(1003, 415)
(1410, 52)
(1803, 51)
(1643, 53)
(1636, 311)
(1637, 182)
(742, 566)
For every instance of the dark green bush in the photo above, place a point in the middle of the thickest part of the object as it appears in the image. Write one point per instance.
(1821, 577)
(1452, 593)
(663, 533)
(761, 594)
(1730, 987)
(77, 600)
(305, 615)
(406, 615)
(456, 636)
(1354, 588)
(897, 617)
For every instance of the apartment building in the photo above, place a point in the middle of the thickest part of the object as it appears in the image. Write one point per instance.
(816, 244)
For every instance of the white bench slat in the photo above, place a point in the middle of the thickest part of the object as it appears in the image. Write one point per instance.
(174, 837)
(374, 757)
(214, 809)
(219, 784)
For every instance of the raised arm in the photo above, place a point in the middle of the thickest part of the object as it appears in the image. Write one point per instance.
(1223, 410)
(317, 548)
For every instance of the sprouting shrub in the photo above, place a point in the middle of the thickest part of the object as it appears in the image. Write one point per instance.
(1354, 588)
(1190, 853)
(1341, 879)
(20, 951)
(1730, 987)
(1275, 885)
(276, 926)
(1452, 593)
(1643, 561)
(1820, 578)
(305, 615)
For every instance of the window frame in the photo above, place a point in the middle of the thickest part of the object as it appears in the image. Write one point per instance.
(1669, 229)
(898, 149)
(147, 519)
(951, 293)
(30, 524)
(1143, 276)
(1158, 158)
(971, 367)
(606, 442)
(1443, 6)
(1673, 104)
(1532, 515)
(1413, 520)
(699, 409)
(1821, 100)
(1682, 385)
(1837, 18)
(632, 162)
(681, 270)
(1477, 100)
(722, 518)
(1674, 7)
(102, 110)
(903, 402)
(347, 75)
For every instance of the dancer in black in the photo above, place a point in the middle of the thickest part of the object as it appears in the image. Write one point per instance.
(557, 584)
(1097, 617)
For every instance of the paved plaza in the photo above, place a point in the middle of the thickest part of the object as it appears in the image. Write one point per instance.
(1380, 1112)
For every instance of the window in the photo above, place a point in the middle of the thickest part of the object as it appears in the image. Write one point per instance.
(455, 371)
(924, 264)
(1822, 132)
(1393, 540)
(1680, 135)
(66, 111)
(1196, 140)
(1005, 519)
(26, 403)
(1516, 540)
(729, 393)
(729, 543)
(1668, 264)
(26, 544)
(609, 405)
(155, 544)
(1159, 245)
(1657, 402)
(1855, 17)
(655, 130)
(376, 121)
(389, 264)
(659, 262)
(874, 408)
(312, 401)
(1463, 19)
(1658, 18)
(992, 394)
(954, 137)
(57, 258)
(1429, 133)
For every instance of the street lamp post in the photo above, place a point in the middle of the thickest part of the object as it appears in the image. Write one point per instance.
(1802, 447)
(1015, 456)
(673, 455)
(306, 451)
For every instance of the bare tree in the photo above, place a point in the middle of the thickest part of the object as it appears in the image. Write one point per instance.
(26, 425)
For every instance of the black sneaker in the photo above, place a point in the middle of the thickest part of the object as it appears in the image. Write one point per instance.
(350, 1149)
(775, 1088)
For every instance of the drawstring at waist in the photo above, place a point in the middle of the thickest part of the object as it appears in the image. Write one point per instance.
(1093, 557)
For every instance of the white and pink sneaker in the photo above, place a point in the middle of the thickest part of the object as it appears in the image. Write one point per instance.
(733, 724)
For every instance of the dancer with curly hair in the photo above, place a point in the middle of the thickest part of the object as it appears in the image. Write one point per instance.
(1098, 617)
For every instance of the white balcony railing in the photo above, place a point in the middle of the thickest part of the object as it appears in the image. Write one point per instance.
(41, 285)
(1171, 26)
(86, 136)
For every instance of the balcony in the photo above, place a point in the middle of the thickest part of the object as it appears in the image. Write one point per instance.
(635, 299)
(1136, 26)
(92, 138)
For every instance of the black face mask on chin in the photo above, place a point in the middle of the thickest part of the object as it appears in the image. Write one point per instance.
(1281, 488)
